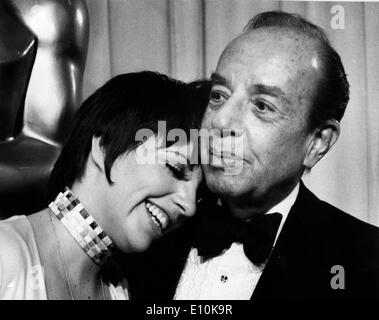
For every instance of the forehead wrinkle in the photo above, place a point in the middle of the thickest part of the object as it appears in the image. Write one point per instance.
(219, 79)
(298, 50)
(252, 84)
(282, 39)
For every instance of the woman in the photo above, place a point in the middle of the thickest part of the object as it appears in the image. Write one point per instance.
(106, 197)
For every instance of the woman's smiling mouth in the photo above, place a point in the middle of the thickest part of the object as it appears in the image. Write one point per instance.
(158, 216)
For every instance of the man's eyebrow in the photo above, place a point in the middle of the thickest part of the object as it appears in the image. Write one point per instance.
(258, 88)
(272, 91)
(269, 90)
(219, 79)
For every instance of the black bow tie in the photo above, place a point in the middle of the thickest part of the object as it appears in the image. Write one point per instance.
(218, 230)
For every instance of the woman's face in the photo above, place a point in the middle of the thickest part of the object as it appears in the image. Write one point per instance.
(149, 199)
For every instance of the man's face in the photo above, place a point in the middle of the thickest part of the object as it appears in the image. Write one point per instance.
(262, 91)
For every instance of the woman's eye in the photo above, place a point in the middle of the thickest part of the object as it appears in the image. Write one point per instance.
(201, 192)
(177, 170)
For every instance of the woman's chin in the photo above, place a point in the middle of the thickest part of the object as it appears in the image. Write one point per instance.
(140, 246)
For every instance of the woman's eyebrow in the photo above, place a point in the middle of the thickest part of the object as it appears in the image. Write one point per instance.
(191, 166)
(177, 153)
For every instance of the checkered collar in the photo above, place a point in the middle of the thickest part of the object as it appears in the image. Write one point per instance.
(89, 235)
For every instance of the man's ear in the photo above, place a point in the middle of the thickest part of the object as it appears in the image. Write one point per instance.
(323, 138)
(97, 153)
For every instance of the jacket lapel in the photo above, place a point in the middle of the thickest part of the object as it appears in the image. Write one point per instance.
(286, 273)
(295, 255)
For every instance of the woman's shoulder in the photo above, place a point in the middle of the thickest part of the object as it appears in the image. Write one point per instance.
(18, 253)
(15, 233)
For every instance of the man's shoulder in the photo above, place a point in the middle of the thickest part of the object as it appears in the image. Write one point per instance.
(340, 229)
(326, 212)
(317, 238)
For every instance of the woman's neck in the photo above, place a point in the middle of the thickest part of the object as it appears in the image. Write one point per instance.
(60, 253)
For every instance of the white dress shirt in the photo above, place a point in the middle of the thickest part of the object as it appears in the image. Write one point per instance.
(229, 276)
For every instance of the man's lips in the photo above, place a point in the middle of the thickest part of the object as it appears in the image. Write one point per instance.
(221, 154)
(223, 159)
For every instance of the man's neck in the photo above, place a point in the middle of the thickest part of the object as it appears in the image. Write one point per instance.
(247, 207)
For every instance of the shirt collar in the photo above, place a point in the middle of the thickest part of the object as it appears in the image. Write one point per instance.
(286, 204)
(284, 207)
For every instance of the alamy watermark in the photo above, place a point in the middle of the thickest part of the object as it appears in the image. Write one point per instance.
(222, 149)
(338, 280)
(337, 22)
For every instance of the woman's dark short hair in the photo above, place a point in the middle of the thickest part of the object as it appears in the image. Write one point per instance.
(332, 93)
(117, 110)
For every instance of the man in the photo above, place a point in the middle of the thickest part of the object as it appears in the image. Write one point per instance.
(281, 89)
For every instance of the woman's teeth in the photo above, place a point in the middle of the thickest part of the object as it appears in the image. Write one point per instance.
(159, 217)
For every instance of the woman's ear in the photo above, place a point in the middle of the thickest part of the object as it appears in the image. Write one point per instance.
(97, 153)
(323, 138)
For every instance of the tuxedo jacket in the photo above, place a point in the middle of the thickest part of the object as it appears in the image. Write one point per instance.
(321, 253)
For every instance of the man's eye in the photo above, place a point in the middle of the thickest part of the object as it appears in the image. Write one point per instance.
(216, 97)
(262, 106)
(177, 170)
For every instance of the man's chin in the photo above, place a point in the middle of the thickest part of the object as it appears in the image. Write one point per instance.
(224, 188)
(223, 184)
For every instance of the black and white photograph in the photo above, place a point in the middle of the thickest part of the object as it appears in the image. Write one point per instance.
(196, 150)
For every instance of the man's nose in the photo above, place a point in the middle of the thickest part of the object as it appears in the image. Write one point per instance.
(185, 198)
(226, 118)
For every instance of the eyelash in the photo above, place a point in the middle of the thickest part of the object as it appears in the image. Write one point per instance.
(202, 192)
(212, 97)
(177, 170)
(266, 105)
(221, 95)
